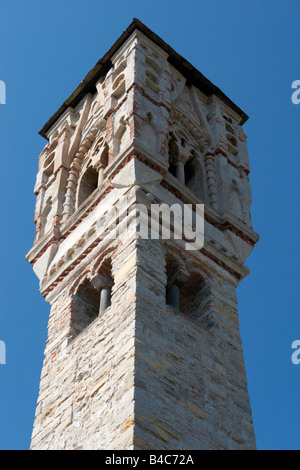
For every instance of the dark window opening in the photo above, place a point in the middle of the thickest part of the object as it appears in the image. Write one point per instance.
(104, 156)
(194, 297)
(190, 173)
(88, 184)
(194, 177)
(85, 308)
(92, 298)
(173, 289)
(173, 157)
(188, 293)
(173, 296)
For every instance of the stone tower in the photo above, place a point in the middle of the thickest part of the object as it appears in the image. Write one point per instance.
(143, 349)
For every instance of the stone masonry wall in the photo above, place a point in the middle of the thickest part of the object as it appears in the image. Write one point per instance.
(190, 381)
(145, 375)
(86, 389)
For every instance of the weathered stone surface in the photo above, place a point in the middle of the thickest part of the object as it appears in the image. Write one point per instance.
(127, 366)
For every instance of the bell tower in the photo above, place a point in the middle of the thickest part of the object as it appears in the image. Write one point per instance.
(143, 349)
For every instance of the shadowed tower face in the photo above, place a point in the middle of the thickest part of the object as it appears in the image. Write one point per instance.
(143, 349)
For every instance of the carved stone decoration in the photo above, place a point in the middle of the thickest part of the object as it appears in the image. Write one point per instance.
(73, 174)
(51, 175)
(148, 137)
(211, 175)
(45, 219)
(235, 200)
(121, 135)
(184, 112)
(201, 115)
(75, 167)
(187, 111)
(102, 163)
(177, 84)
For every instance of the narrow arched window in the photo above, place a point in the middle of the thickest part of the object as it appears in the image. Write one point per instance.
(91, 300)
(104, 157)
(194, 177)
(84, 308)
(173, 286)
(188, 292)
(88, 184)
(173, 157)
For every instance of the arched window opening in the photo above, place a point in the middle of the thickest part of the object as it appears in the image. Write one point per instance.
(104, 157)
(188, 292)
(88, 184)
(194, 297)
(194, 177)
(85, 308)
(91, 300)
(173, 157)
(176, 277)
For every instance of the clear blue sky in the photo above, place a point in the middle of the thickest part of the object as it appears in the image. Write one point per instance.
(250, 50)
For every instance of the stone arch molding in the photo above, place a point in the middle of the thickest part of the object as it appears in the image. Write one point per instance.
(91, 271)
(76, 167)
(188, 111)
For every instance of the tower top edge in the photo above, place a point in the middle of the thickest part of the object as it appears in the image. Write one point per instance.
(194, 77)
